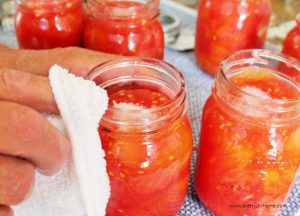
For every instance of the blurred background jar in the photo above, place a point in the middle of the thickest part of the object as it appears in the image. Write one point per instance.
(125, 27)
(146, 135)
(44, 24)
(227, 26)
(291, 44)
(249, 146)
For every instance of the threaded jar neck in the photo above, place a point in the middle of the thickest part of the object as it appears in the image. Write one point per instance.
(243, 86)
(142, 73)
(46, 6)
(123, 9)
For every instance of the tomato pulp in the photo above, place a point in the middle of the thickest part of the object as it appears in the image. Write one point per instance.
(246, 167)
(227, 26)
(291, 44)
(137, 34)
(50, 24)
(148, 171)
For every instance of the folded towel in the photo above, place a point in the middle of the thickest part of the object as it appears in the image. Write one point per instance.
(81, 187)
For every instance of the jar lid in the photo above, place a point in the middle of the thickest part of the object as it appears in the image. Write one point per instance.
(171, 27)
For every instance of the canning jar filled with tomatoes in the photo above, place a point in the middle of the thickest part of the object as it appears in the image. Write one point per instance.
(249, 146)
(49, 23)
(146, 136)
(224, 27)
(291, 44)
(125, 27)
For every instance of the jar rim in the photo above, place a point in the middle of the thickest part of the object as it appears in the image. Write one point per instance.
(143, 8)
(254, 104)
(179, 97)
(269, 54)
(44, 4)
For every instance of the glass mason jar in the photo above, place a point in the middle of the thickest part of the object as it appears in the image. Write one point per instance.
(146, 135)
(48, 24)
(125, 27)
(224, 27)
(249, 146)
(291, 44)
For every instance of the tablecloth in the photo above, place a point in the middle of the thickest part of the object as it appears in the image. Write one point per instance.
(198, 87)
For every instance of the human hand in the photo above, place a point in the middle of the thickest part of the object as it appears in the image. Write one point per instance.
(28, 141)
(77, 60)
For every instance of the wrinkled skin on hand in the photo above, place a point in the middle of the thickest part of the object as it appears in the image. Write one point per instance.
(28, 142)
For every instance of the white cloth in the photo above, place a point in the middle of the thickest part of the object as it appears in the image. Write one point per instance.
(81, 187)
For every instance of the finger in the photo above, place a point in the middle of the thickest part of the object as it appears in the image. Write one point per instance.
(16, 180)
(27, 89)
(25, 133)
(6, 211)
(77, 60)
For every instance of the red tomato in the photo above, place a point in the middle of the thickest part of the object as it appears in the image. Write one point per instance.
(134, 36)
(244, 167)
(291, 44)
(148, 171)
(224, 27)
(50, 25)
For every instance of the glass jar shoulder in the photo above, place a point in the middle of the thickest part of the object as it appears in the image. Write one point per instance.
(215, 108)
